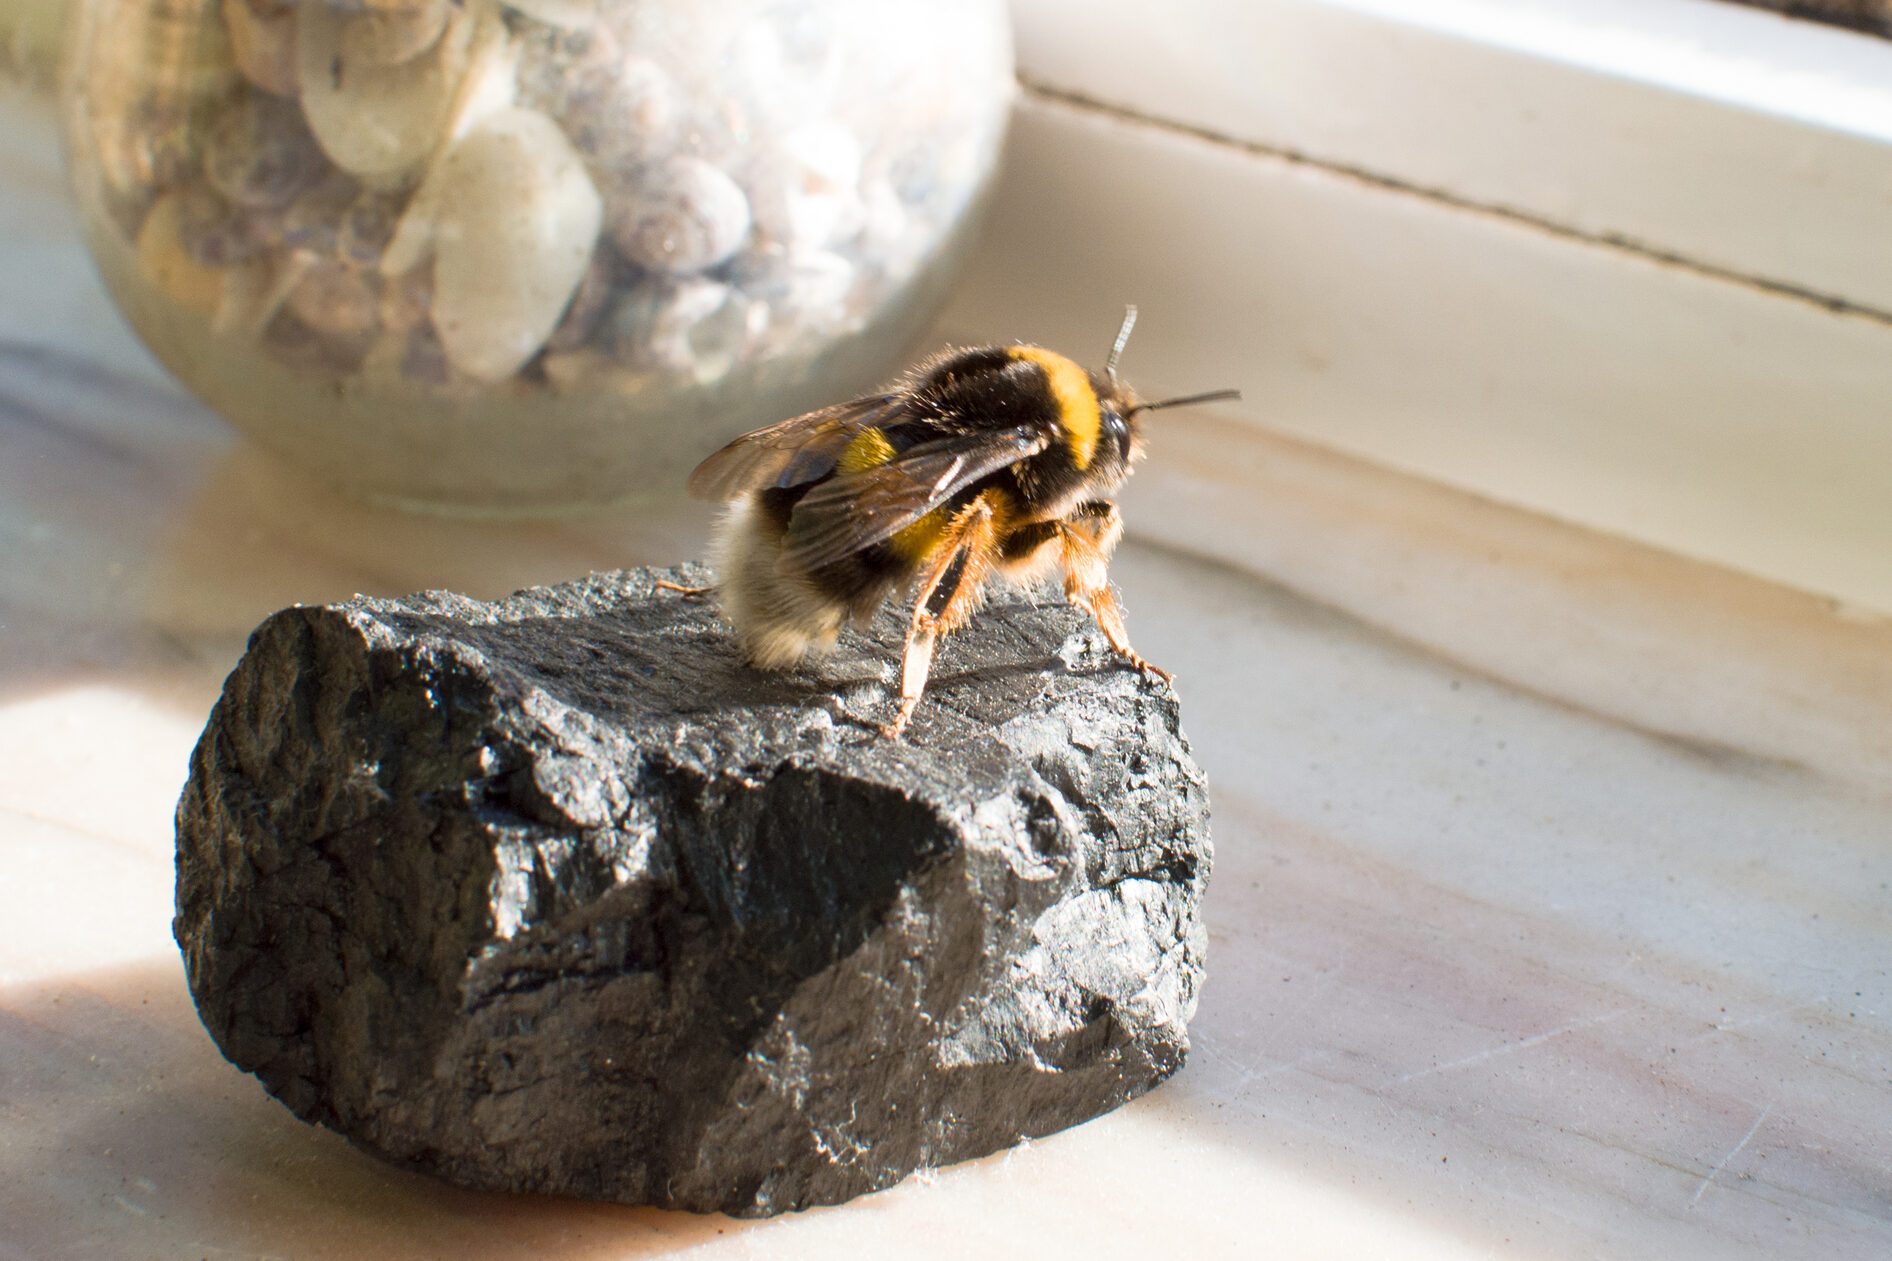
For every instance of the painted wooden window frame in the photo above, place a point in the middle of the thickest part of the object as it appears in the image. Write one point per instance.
(1623, 262)
(1737, 140)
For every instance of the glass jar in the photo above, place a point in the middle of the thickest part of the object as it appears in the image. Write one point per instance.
(528, 255)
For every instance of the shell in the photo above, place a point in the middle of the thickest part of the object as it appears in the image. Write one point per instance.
(165, 262)
(212, 231)
(406, 301)
(375, 120)
(587, 306)
(807, 194)
(294, 342)
(487, 86)
(263, 42)
(621, 110)
(570, 14)
(255, 291)
(149, 66)
(366, 226)
(259, 154)
(683, 216)
(312, 223)
(407, 347)
(490, 82)
(688, 327)
(337, 301)
(149, 148)
(518, 221)
(807, 294)
(393, 34)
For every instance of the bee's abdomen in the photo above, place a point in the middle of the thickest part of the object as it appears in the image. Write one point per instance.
(783, 613)
(779, 616)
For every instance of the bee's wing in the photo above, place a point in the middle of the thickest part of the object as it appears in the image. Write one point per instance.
(797, 450)
(850, 511)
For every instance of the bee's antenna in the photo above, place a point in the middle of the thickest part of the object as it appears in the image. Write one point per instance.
(1123, 335)
(1213, 396)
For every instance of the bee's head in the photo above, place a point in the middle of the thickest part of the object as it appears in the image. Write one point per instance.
(1121, 439)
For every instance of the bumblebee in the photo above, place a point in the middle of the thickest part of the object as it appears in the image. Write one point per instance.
(994, 462)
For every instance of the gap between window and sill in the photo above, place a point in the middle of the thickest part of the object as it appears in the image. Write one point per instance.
(1105, 110)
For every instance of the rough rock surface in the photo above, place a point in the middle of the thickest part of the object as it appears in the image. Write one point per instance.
(554, 894)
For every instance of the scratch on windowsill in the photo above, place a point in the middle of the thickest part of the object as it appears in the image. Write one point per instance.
(1510, 1048)
(1723, 1162)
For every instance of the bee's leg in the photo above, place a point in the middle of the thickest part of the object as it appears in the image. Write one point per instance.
(944, 594)
(664, 584)
(1090, 535)
(915, 664)
(1102, 605)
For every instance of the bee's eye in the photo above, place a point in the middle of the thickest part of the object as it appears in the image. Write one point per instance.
(1118, 431)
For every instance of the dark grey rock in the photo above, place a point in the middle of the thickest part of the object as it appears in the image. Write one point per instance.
(554, 894)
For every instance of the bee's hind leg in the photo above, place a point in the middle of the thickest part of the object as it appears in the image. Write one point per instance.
(664, 584)
(915, 663)
(949, 589)
(1089, 536)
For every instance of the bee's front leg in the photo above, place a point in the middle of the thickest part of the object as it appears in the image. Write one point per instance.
(1089, 535)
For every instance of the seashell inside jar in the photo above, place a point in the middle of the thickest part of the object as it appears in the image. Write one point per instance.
(528, 255)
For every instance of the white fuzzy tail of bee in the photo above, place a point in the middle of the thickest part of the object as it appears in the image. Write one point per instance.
(778, 614)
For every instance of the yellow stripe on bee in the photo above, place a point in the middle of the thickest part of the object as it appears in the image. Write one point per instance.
(920, 540)
(870, 449)
(1078, 411)
(917, 540)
